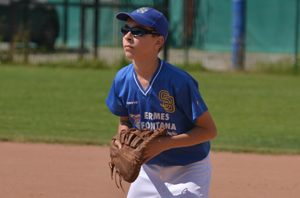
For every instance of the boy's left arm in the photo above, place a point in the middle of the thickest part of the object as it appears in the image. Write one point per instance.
(204, 130)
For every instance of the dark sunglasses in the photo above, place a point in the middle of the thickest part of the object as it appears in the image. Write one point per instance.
(136, 31)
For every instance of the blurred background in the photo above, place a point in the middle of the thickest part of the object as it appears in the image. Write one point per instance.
(219, 35)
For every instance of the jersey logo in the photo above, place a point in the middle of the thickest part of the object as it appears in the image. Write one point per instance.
(136, 119)
(132, 103)
(168, 101)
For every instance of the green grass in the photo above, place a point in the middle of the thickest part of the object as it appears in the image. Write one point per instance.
(253, 113)
(55, 105)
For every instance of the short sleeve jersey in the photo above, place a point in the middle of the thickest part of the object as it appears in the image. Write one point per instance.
(172, 99)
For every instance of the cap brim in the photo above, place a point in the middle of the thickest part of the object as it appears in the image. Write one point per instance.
(123, 16)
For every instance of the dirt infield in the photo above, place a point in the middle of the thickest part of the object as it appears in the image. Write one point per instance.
(62, 171)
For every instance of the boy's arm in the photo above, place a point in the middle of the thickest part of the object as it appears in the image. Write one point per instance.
(204, 130)
(124, 123)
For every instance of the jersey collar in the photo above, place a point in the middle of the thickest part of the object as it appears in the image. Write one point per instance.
(145, 92)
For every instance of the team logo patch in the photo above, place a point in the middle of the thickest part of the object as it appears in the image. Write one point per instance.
(168, 101)
(142, 10)
(137, 120)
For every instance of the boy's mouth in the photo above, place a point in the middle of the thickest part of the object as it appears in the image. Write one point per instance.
(128, 47)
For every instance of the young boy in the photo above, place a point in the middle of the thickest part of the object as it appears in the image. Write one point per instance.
(150, 93)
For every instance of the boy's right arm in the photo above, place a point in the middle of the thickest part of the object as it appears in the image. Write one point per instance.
(124, 123)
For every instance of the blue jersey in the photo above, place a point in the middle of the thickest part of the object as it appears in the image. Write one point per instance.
(171, 99)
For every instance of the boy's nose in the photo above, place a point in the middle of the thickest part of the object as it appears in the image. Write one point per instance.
(128, 36)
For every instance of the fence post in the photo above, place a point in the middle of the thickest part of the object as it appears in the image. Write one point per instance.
(66, 7)
(82, 30)
(12, 21)
(96, 29)
(26, 31)
(238, 34)
(186, 31)
(166, 45)
(296, 37)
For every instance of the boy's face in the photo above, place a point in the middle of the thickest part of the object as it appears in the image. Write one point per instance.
(141, 47)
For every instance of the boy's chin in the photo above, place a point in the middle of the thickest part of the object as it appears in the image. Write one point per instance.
(129, 55)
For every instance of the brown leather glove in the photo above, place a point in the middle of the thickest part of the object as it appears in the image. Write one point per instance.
(127, 161)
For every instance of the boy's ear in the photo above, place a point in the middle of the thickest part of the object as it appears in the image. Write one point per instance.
(159, 41)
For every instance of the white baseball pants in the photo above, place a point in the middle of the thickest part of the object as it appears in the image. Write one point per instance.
(190, 181)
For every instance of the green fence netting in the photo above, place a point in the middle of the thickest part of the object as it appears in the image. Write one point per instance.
(270, 25)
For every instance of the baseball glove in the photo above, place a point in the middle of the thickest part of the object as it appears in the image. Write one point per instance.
(127, 161)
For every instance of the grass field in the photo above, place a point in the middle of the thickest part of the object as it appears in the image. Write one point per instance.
(253, 113)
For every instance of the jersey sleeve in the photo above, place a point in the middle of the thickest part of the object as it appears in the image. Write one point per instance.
(114, 102)
(190, 101)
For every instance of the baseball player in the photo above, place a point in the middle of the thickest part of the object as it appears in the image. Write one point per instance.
(150, 93)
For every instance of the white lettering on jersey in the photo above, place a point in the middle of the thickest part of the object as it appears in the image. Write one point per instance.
(157, 125)
(156, 116)
(158, 122)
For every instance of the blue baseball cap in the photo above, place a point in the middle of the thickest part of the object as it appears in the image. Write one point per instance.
(148, 17)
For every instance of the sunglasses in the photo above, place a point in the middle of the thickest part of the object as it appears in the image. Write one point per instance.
(136, 31)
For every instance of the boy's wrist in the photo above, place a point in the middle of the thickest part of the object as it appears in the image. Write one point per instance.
(167, 142)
